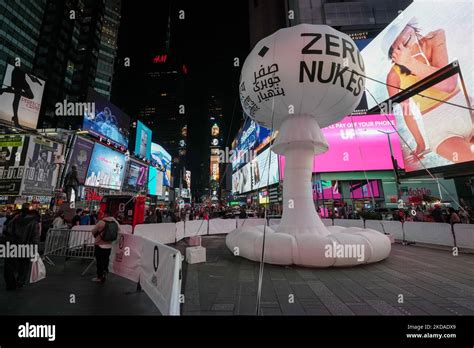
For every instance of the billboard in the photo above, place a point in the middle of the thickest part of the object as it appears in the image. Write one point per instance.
(358, 143)
(80, 157)
(242, 179)
(425, 37)
(106, 169)
(41, 171)
(251, 137)
(20, 97)
(260, 169)
(187, 179)
(136, 177)
(162, 159)
(143, 141)
(106, 120)
(13, 153)
(214, 167)
(155, 182)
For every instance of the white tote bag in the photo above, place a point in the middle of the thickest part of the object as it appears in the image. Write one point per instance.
(38, 270)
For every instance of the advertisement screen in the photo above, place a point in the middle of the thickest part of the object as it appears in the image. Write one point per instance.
(161, 159)
(13, 153)
(214, 167)
(136, 177)
(20, 97)
(263, 197)
(242, 179)
(106, 169)
(81, 157)
(260, 167)
(143, 141)
(106, 120)
(41, 171)
(425, 37)
(155, 182)
(251, 137)
(358, 143)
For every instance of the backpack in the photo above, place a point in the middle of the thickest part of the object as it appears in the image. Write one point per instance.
(110, 232)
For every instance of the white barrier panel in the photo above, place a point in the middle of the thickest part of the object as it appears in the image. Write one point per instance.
(429, 232)
(349, 223)
(179, 230)
(394, 228)
(126, 229)
(221, 226)
(274, 222)
(125, 256)
(250, 222)
(464, 235)
(160, 276)
(375, 225)
(327, 222)
(195, 228)
(164, 233)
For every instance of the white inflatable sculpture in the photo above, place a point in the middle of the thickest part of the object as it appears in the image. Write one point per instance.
(299, 80)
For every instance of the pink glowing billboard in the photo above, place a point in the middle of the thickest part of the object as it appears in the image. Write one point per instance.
(356, 144)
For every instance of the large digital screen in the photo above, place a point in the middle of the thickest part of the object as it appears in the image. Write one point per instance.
(106, 169)
(13, 153)
(260, 169)
(251, 137)
(155, 182)
(214, 167)
(143, 141)
(136, 177)
(242, 179)
(20, 97)
(425, 37)
(107, 120)
(358, 143)
(161, 159)
(81, 157)
(41, 170)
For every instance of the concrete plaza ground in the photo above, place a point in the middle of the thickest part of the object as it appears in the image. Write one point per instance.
(432, 282)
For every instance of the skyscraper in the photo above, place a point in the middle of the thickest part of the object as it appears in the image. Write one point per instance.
(108, 48)
(20, 24)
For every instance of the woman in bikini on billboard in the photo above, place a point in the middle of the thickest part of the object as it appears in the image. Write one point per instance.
(449, 129)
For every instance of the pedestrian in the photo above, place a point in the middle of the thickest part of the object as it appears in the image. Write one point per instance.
(59, 221)
(158, 216)
(76, 220)
(151, 218)
(71, 182)
(437, 214)
(102, 231)
(22, 230)
(453, 216)
(85, 218)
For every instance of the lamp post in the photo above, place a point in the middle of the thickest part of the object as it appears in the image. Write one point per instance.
(394, 162)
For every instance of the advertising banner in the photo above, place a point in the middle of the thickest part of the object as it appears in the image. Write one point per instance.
(358, 143)
(106, 169)
(261, 166)
(136, 177)
(20, 97)
(160, 276)
(162, 159)
(41, 172)
(143, 141)
(106, 120)
(81, 157)
(155, 182)
(13, 153)
(435, 123)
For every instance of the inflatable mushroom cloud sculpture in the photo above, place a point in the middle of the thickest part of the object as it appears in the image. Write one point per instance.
(299, 80)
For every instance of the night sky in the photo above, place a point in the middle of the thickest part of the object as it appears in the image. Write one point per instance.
(212, 34)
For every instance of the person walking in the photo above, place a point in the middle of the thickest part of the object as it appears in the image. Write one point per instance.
(59, 221)
(102, 231)
(23, 229)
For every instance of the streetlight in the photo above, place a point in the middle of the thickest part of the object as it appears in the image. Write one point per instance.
(394, 161)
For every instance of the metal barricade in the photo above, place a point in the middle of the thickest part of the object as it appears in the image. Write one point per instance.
(69, 244)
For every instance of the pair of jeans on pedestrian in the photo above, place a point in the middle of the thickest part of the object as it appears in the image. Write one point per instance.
(102, 259)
